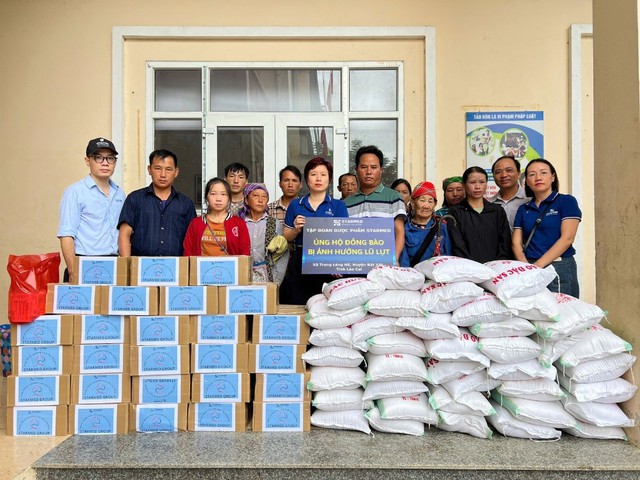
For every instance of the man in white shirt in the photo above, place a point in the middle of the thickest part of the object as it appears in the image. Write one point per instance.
(506, 174)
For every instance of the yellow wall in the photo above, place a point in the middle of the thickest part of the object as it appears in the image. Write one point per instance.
(55, 89)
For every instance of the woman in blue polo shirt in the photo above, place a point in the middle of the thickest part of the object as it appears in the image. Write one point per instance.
(545, 227)
(296, 287)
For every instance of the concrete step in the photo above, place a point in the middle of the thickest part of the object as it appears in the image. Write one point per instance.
(332, 454)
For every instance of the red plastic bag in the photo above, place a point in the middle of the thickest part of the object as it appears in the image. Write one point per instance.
(30, 275)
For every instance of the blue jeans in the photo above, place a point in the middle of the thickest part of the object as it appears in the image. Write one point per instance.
(567, 280)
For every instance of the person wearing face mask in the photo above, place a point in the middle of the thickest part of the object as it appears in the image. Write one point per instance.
(506, 174)
(480, 230)
(453, 194)
(425, 234)
(545, 228)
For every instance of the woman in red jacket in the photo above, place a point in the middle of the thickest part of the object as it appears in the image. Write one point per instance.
(217, 233)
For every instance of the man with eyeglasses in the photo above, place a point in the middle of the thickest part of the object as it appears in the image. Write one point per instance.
(506, 174)
(90, 209)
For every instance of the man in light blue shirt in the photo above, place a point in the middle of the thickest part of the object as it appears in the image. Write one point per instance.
(90, 209)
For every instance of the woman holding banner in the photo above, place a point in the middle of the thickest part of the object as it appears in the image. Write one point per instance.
(296, 287)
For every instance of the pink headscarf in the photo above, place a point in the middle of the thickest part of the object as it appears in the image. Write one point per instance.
(248, 188)
(424, 188)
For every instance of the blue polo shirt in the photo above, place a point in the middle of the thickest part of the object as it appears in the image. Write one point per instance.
(158, 226)
(562, 207)
(330, 207)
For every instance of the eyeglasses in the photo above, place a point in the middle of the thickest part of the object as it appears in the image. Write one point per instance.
(508, 171)
(99, 159)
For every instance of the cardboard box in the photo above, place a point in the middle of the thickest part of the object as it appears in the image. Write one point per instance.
(73, 299)
(105, 388)
(159, 271)
(284, 309)
(105, 419)
(281, 417)
(266, 358)
(39, 361)
(219, 329)
(220, 271)
(218, 417)
(101, 271)
(160, 360)
(31, 391)
(280, 329)
(164, 329)
(282, 387)
(196, 300)
(88, 329)
(158, 418)
(44, 330)
(219, 358)
(118, 300)
(160, 389)
(221, 387)
(43, 421)
(255, 299)
(101, 358)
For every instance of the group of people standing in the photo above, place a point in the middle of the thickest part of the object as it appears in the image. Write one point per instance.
(97, 219)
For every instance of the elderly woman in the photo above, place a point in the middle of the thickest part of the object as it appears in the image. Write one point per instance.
(425, 234)
(453, 194)
(545, 227)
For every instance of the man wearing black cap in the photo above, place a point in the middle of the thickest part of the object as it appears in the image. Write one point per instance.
(90, 208)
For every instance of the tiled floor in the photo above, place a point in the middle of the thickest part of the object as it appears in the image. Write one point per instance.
(18, 453)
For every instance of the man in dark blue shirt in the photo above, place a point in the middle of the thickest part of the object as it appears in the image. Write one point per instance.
(154, 219)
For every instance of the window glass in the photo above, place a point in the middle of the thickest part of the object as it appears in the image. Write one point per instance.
(373, 90)
(178, 91)
(384, 135)
(304, 143)
(244, 145)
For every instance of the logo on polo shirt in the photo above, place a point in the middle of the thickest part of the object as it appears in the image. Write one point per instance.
(329, 212)
(552, 211)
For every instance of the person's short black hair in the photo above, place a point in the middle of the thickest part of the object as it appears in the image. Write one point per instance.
(369, 149)
(236, 167)
(293, 169)
(214, 181)
(317, 162)
(513, 159)
(162, 154)
(555, 185)
(401, 181)
(474, 169)
(348, 174)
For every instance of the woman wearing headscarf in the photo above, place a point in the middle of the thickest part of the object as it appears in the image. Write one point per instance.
(425, 233)
(453, 194)
(545, 227)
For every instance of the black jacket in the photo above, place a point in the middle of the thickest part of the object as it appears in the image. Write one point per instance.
(482, 237)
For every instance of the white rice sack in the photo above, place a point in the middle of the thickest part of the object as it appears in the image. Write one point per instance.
(321, 316)
(465, 347)
(337, 337)
(509, 349)
(439, 297)
(600, 370)
(517, 279)
(540, 306)
(414, 407)
(474, 425)
(407, 427)
(347, 293)
(439, 372)
(342, 420)
(396, 278)
(539, 389)
(527, 370)
(403, 342)
(395, 367)
(332, 357)
(484, 309)
(617, 390)
(337, 400)
(396, 303)
(398, 388)
(509, 426)
(599, 342)
(436, 325)
(454, 269)
(585, 430)
(575, 316)
(552, 349)
(476, 382)
(472, 403)
(335, 378)
(372, 325)
(547, 414)
(598, 414)
(514, 327)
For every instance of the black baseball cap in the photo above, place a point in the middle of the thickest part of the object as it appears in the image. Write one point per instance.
(98, 143)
